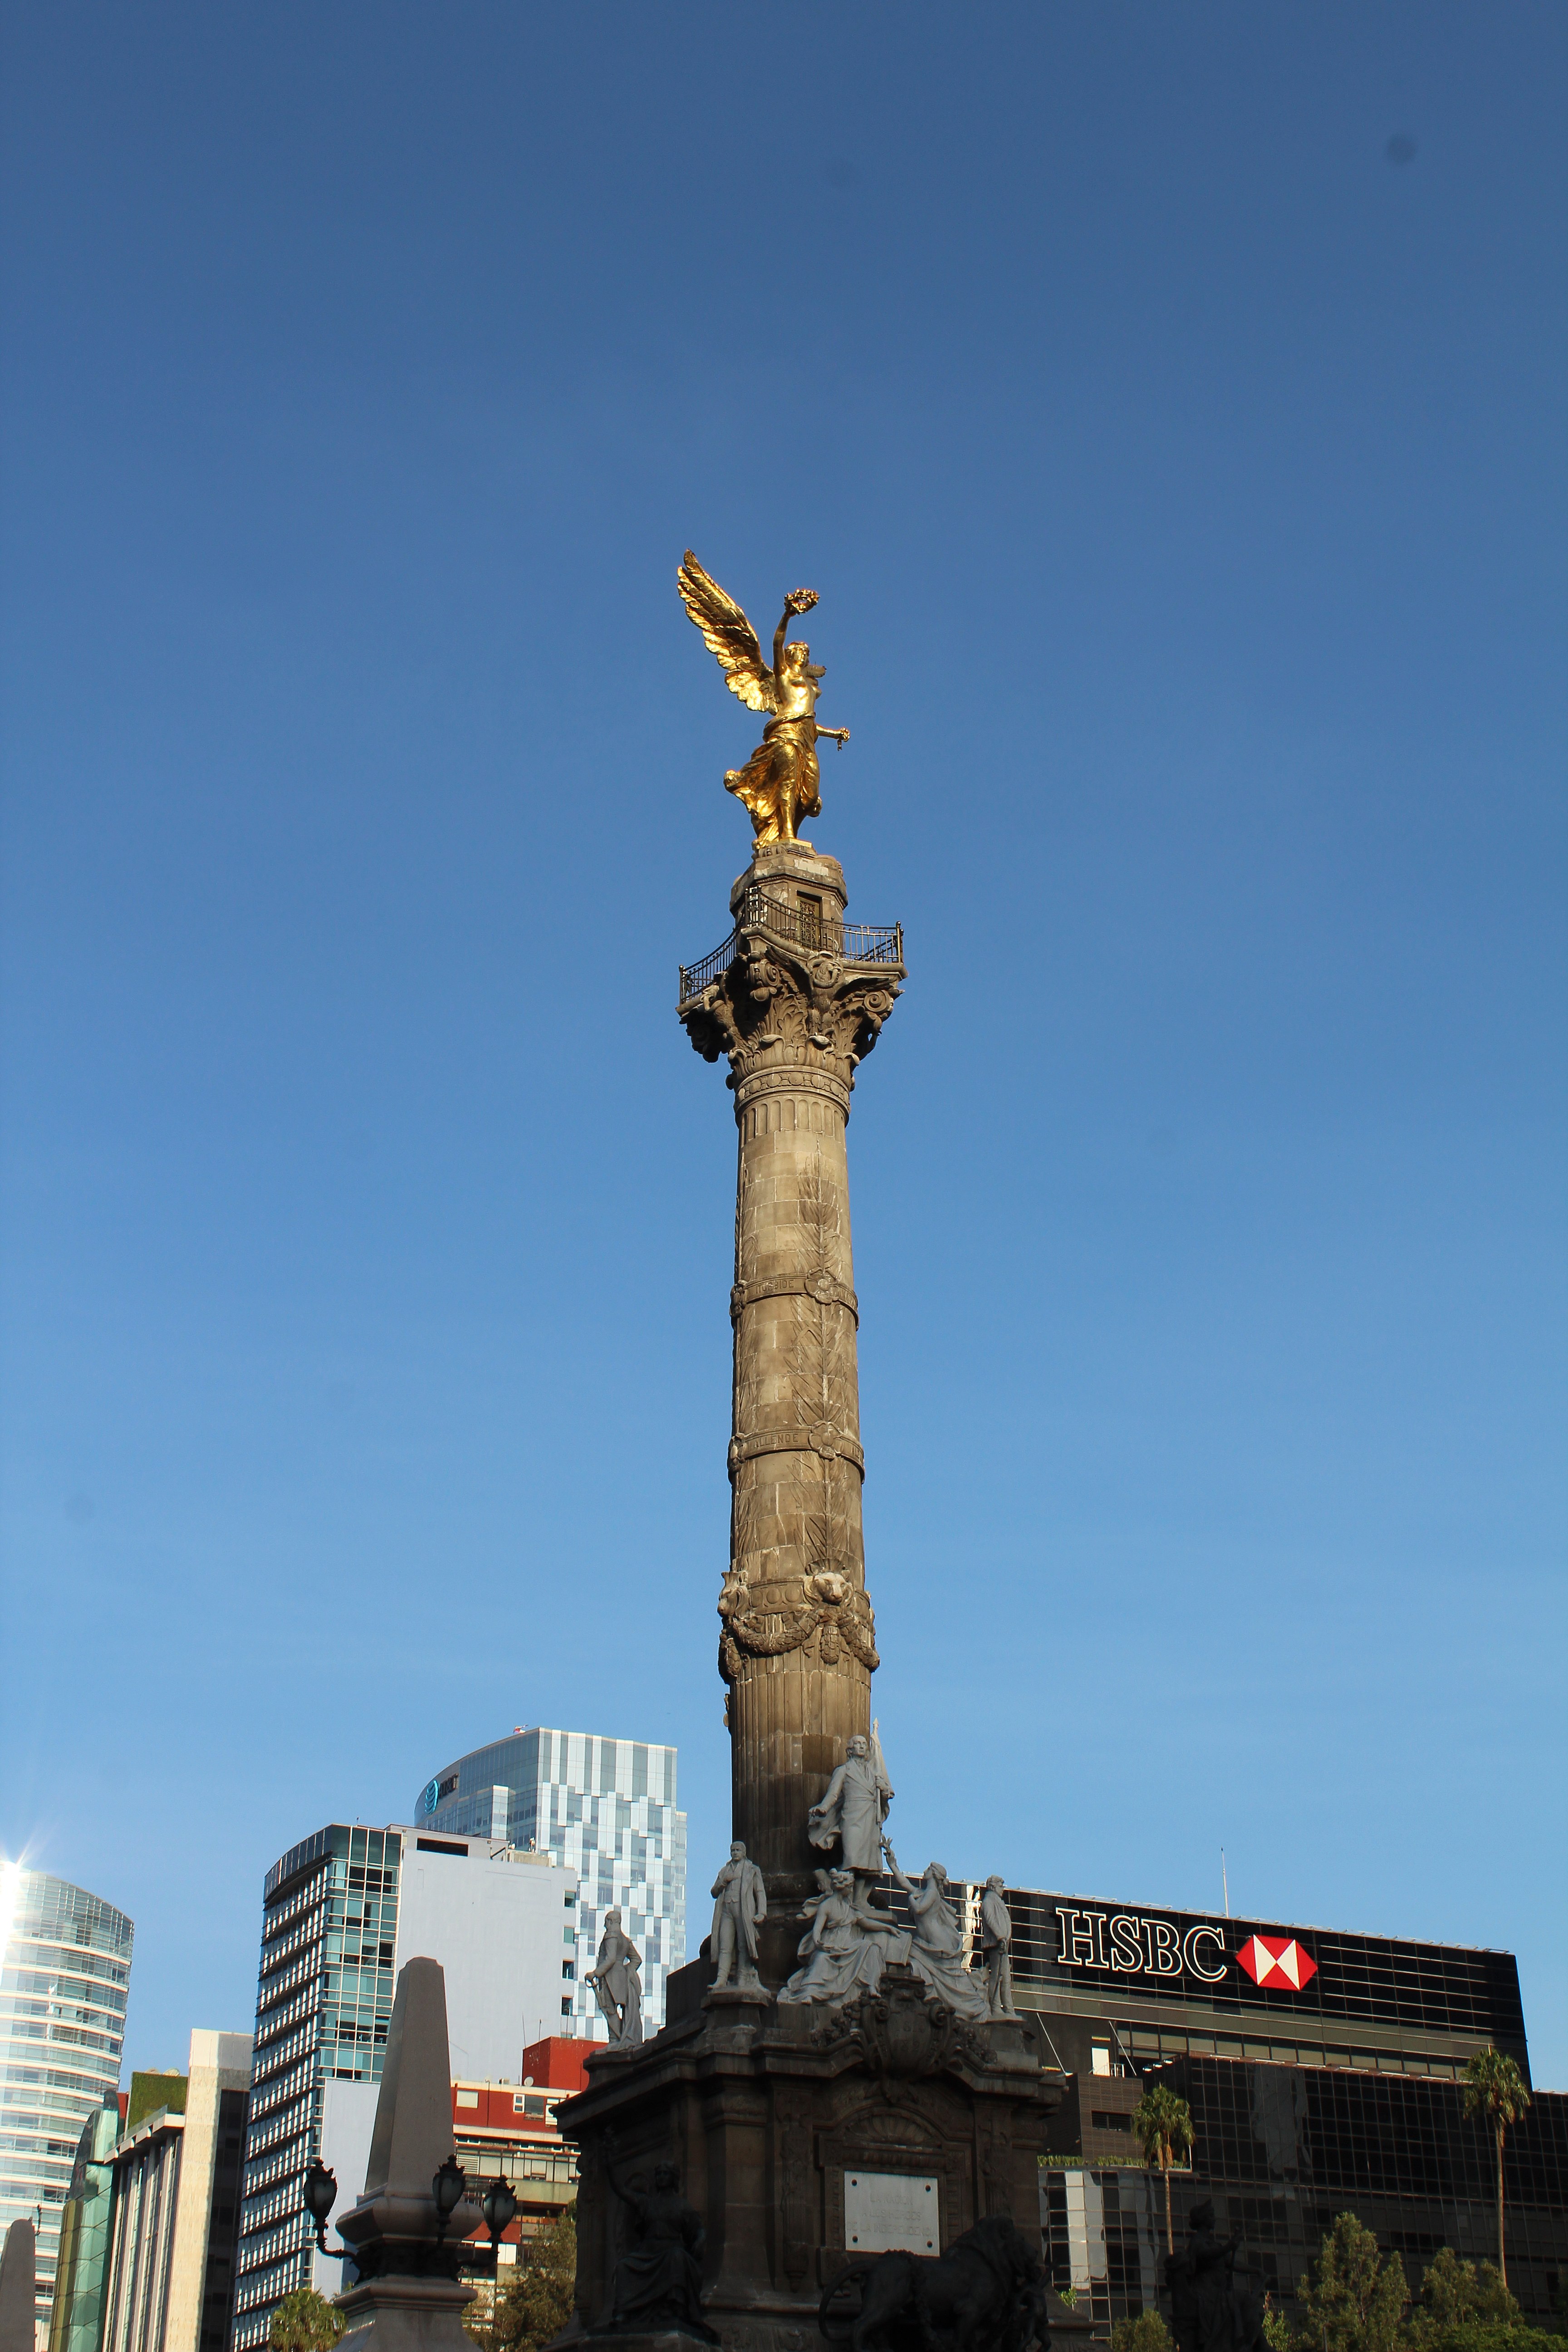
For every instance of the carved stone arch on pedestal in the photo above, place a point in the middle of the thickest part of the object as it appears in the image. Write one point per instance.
(913, 2137)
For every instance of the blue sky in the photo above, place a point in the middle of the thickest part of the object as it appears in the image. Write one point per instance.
(1182, 474)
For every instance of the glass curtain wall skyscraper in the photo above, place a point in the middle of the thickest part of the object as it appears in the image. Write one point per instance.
(606, 1808)
(63, 1979)
(75, 2322)
(322, 2008)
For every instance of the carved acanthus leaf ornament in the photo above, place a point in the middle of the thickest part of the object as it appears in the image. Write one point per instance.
(774, 992)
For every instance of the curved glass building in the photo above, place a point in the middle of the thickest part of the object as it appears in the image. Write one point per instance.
(63, 1977)
(604, 1808)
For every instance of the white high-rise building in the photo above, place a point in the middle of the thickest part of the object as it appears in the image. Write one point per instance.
(606, 1808)
(65, 1964)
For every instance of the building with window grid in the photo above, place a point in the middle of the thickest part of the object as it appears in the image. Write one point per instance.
(606, 1808)
(63, 1979)
(1323, 2071)
(342, 1912)
(1281, 2150)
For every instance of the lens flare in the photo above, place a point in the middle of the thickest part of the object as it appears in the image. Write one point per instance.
(11, 1876)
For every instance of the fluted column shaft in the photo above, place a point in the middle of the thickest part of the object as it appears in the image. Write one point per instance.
(795, 1015)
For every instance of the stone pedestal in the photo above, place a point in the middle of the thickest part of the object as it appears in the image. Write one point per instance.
(794, 1002)
(766, 2110)
(406, 2314)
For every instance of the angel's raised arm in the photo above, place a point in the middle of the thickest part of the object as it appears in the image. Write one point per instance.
(799, 600)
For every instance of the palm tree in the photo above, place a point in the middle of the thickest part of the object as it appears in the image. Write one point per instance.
(1495, 2094)
(1164, 2124)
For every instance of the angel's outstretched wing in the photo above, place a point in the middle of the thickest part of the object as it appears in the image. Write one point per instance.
(727, 634)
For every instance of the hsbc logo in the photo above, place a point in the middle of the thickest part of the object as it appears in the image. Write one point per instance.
(1277, 1963)
(1125, 1943)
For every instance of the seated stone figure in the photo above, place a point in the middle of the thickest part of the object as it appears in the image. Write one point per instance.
(938, 1947)
(845, 1950)
(659, 2279)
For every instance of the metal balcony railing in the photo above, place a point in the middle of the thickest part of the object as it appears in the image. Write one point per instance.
(807, 927)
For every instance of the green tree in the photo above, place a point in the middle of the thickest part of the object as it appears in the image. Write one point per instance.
(536, 2301)
(1453, 2291)
(1277, 2330)
(1355, 2302)
(1141, 2334)
(1482, 2336)
(1164, 2124)
(305, 2321)
(1495, 2094)
(1147, 2333)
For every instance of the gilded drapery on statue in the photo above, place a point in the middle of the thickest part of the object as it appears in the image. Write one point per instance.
(780, 781)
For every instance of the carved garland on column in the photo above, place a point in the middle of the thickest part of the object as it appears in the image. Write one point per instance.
(771, 1633)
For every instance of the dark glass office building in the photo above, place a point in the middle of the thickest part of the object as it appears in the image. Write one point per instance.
(1323, 2072)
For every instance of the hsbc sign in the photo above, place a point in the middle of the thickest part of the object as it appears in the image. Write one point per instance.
(1129, 1946)
(1277, 1962)
(1128, 1942)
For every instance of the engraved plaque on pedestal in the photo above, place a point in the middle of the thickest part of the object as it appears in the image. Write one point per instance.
(891, 2211)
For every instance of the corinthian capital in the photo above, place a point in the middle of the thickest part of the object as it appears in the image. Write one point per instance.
(817, 987)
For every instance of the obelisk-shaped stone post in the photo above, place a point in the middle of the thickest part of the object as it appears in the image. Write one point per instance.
(794, 1001)
(408, 2297)
(19, 2290)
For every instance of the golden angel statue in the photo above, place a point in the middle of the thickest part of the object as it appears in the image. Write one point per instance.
(780, 781)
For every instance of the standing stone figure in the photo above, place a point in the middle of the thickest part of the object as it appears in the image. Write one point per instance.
(739, 1906)
(997, 1944)
(853, 1809)
(1203, 2309)
(937, 1949)
(659, 2279)
(845, 1950)
(617, 1986)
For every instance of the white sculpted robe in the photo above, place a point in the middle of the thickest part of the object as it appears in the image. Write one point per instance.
(853, 1811)
(938, 1953)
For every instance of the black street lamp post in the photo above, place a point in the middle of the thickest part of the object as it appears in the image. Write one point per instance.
(499, 2207)
(447, 2187)
(320, 2195)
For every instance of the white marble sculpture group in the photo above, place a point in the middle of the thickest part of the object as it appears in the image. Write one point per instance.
(850, 1941)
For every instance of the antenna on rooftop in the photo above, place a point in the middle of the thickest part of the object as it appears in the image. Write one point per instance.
(1225, 1882)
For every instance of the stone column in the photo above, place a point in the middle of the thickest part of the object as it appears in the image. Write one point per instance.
(794, 1000)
